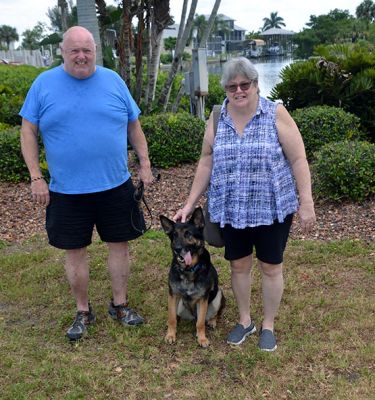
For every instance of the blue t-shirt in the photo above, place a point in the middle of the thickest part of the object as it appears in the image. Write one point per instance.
(83, 123)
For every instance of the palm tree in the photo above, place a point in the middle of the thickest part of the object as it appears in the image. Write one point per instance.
(56, 18)
(86, 11)
(199, 25)
(366, 10)
(221, 28)
(273, 22)
(8, 35)
(32, 37)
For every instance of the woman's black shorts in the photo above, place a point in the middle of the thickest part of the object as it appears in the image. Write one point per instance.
(269, 241)
(70, 218)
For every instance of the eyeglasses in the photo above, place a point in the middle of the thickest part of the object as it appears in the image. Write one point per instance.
(243, 86)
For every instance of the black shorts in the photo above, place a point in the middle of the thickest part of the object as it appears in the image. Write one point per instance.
(70, 218)
(269, 241)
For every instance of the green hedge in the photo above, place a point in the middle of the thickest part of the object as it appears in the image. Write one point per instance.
(12, 164)
(173, 139)
(15, 82)
(344, 170)
(320, 125)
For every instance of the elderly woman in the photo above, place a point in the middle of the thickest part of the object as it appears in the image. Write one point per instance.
(258, 177)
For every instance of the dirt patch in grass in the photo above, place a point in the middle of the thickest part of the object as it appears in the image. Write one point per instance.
(21, 218)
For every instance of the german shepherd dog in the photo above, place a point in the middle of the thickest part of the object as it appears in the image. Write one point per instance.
(194, 292)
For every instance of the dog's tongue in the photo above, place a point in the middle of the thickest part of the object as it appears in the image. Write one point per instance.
(187, 258)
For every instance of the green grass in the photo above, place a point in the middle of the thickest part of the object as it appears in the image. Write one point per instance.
(325, 330)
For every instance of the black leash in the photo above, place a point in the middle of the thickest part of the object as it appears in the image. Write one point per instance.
(139, 196)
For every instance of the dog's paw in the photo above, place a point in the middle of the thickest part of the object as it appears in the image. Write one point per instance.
(212, 323)
(203, 342)
(170, 338)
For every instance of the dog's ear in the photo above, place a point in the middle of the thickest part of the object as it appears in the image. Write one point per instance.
(167, 224)
(197, 218)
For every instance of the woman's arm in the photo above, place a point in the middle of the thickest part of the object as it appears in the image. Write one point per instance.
(294, 149)
(202, 174)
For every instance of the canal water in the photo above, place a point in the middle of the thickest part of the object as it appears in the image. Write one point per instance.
(268, 70)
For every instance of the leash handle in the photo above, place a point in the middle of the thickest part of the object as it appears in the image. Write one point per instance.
(140, 196)
(139, 191)
(140, 188)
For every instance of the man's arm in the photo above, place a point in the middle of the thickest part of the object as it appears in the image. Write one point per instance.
(30, 152)
(138, 141)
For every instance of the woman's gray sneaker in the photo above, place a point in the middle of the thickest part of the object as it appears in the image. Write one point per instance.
(124, 314)
(79, 327)
(267, 340)
(239, 333)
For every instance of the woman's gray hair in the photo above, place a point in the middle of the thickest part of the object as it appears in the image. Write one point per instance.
(238, 66)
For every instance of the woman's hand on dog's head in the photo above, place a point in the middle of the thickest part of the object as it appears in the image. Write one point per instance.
(183, 214)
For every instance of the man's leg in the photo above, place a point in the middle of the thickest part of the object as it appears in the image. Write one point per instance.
(119, 270)
(77, 272)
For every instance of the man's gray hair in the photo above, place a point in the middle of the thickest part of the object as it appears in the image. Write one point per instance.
(74, 29)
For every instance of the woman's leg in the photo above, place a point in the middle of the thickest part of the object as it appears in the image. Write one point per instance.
(241, 286)
(272, 290)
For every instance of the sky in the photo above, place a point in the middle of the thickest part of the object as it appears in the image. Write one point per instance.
(248, 15)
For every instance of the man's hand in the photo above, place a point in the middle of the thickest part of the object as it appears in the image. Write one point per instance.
(40, 191)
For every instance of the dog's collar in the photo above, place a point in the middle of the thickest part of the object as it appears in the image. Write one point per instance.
(194, 268)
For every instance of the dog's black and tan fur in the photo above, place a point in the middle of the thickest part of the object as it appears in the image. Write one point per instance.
(194, 291)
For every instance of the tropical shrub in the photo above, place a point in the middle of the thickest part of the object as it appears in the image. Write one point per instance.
(173, 139)
(344, 170)
(320, 125)
(340, 76)
(298, 86)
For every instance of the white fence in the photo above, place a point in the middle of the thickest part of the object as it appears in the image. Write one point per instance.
(29, 57)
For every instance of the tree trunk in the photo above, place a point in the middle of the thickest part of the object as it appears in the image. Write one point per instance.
(102, 14)
(181, 42)
(139, 53)
(159, 18)
(148, 55)
(86, 12)
(125, 43)
(63, 6)
(181, 92)
(210, 24)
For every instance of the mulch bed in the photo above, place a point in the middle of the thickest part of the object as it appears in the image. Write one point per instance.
(20, 218)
